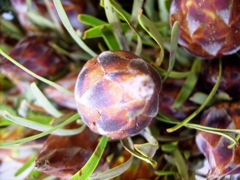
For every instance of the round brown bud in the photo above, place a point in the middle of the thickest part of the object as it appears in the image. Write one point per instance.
(208, 28)
(117, 94)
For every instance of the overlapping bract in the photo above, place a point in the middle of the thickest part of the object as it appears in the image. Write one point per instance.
(117, 94)
(222, 160)
(208, 28)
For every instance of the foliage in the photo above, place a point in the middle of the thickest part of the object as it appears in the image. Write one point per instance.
(164, 146)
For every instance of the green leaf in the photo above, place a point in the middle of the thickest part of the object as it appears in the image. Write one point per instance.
(114, 172)
(173, 74)
(38, 126)
(164, 173)
(147, 149)
(169, 147)
(114, 21)
(173, 48)
(181, 164)
(198, 97)
(125, 17)
(152, 30)
(109, 38)
(10, 28)
(31, 138)
(43, 101)
(93, 161)
(60, 88)
(149, 8)
(63, 16)
(96, 32)
(40, 20)
(189, 84)
(163, 11)
(209, 98)
(128, 145)
(91, 20)
(222, 132)
(26, 165)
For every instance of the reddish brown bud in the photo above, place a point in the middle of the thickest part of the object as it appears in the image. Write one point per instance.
(63, 156)
(208, 28)
(36, 54)
(222, 159)
(117, 94)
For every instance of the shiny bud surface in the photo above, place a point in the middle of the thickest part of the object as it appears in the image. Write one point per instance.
(208, 28)
(117, 94)
(222, 160)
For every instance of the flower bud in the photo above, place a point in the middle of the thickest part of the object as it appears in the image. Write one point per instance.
(34, 53)
(117, 94)
(222, 159)
(207, 28)
(63, 156)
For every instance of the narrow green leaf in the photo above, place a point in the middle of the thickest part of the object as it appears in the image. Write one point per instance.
(40, 20)
(60, 88)
(195, 113)
(43, 101)
(31, 138)
(91, 20)
(121, 11)
(152, 30)
(216, 131)
(63, 16)
(189, 84)
(181, 165)
(169, 148)
(164, 173)
(127, 144)
(163, 11)
(93, 161)
(114, 172)
(115, 23)
(149, 8)
(96, 32)
(109, 38)
(26, 165)
(198, 97)
(147, 149)
(173, 74)
(221, 132)
(173, 48)
(38, 126)
(11, 28)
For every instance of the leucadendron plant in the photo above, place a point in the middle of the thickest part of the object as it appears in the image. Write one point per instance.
(108, 91)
